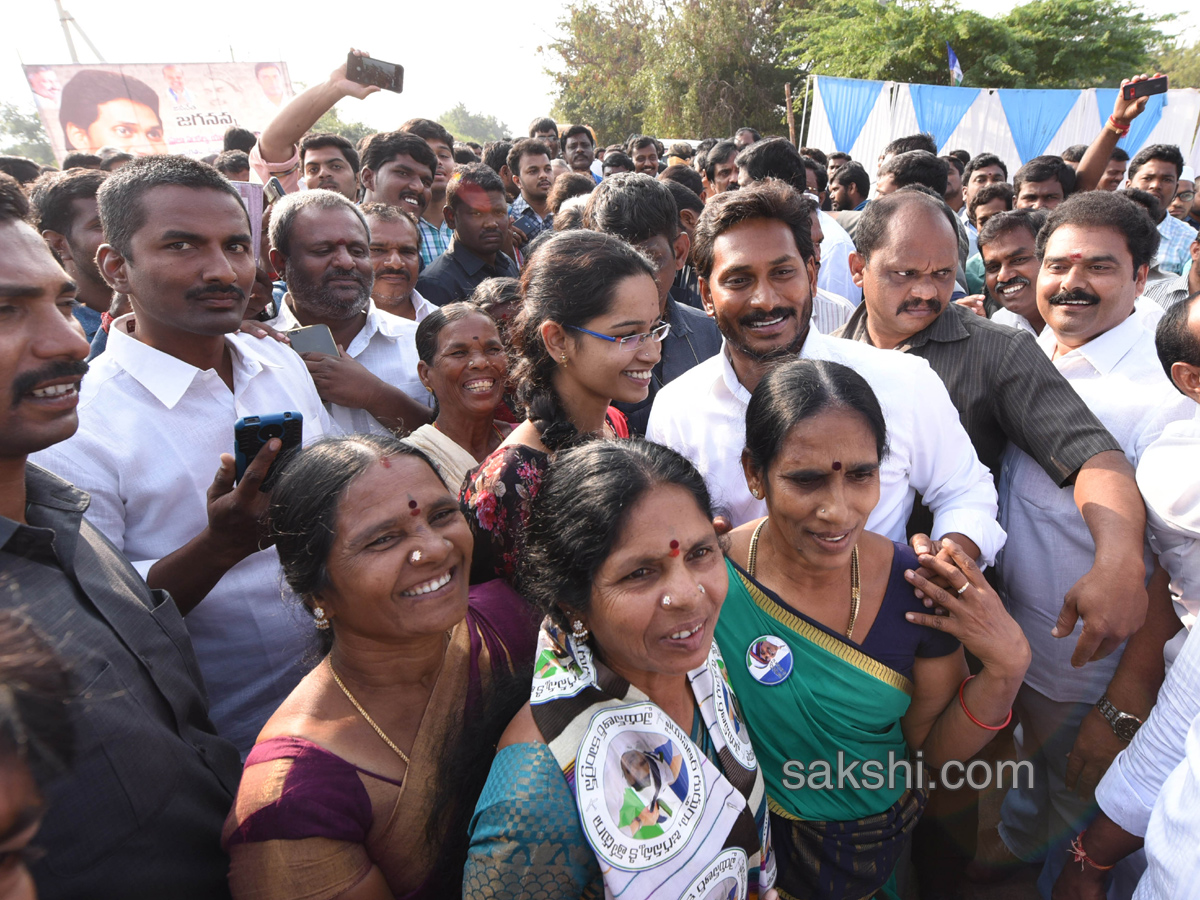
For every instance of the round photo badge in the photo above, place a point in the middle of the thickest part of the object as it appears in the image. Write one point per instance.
(640, 786)
(729, 715)
(769, 659)
(725, 879)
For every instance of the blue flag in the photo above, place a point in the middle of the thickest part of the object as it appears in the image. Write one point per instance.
(956, 75)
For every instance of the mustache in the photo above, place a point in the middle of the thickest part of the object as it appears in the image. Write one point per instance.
(210, 291)
(344, 273)
(391, 271)
(932, 305)
(1075, 294)
(754, 318)
(1018, 280)
(27, 381)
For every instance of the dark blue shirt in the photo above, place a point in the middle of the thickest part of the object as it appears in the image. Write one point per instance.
(456, 273)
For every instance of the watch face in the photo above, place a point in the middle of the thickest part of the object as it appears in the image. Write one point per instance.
(1126, 727)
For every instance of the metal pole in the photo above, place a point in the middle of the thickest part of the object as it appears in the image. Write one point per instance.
(87, 40)
(64, 20)
(791, 113)
(804, 114)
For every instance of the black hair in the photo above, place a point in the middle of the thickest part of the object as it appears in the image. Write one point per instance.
(813, 153)
(798, 390)
(428, 130)
(634, 207)
(917, 167)
(22, 169)
(638, 141)
(238, 138)
(1173, 339)
(573, 184)
(580, 512)
(476, 174)
(285, 211)
(1119, 154)
(89, 89)
(718, 154)
(525, 147)
(429, 331)
(380, 149)
(772, 158)
(568, 218)
(230, 161)
(614, 158)
(838, 154)
(684, 175)
(322, 139)
(684, 198)
(121, 195)
(570, 280)
(812, 165)
(578, 129)
(475, 145)
(53, 194)
(79, 160)
(984, 161)
(853, 173)
(752, 132)
(962, 156)
(998, 191)
(877, 225)
(958, 164)
(495, 154)
(1106, 209)
(1148, 201)
(1045, 168)
(493, 292)
(682, 149)
(1074, 153)
(545, 123)
(114, 161)
(14, 205)
(36, 688)
(463, 154)
(923, 141)
(768, 199)
(385, 212)
(1167, 153)
(1002, 223)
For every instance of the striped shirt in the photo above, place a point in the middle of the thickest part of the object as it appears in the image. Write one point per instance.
(434, 241)
(830, 311)
(1168, 291)
(1177, 237)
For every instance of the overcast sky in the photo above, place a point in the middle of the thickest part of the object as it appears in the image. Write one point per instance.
(482, 54)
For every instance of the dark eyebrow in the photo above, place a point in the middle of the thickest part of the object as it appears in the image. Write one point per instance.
(31, 291)
(1104, 257)
(177, 235)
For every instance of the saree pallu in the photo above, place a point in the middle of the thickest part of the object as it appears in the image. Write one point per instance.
(660, 816)
(827, 734)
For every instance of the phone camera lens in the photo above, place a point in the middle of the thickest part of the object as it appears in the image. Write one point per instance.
(271, 431)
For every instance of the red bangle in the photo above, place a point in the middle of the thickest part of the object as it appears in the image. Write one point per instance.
(962, 687)
(1081, 856)
(1121, 130)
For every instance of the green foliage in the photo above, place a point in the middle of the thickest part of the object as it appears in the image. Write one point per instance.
(1180, 64)
(23, 135)
(469, 126)
(352, 131)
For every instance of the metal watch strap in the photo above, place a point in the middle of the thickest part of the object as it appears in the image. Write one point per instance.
(1123, 724)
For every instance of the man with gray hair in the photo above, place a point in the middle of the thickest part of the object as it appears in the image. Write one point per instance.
(320, 241)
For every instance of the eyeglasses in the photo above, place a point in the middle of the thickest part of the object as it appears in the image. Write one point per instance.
(1186, 196)
(632, 341)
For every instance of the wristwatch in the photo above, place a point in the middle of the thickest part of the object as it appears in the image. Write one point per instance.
(1123, 724)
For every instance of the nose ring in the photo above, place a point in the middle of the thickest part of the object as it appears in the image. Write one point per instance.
(415, 556)
(666, 600)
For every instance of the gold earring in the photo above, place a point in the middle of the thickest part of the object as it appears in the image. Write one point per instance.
(322, 623)
(563, 359)
(579, 630)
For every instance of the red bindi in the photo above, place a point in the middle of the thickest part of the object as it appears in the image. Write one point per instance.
(836, 466)
(674, 548)
(385, 462)
(1076, 256)
(416, 510)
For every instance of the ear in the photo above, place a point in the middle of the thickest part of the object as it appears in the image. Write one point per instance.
(690, 217)
(58, 244)
(1187, 378)
(114, 269)
(554, 336)
(753, 480)
(710, 308)
(683, 246)
(1139, 278)
(814, 267)
(423, 374)
(77, 138)
(278, 261)
(367, 177)
(448, 215)
(857, 266)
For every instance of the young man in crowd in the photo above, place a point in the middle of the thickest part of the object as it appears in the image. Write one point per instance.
(982, 170)
(1043, 183)
(320, 241)
(1008, 253)
(398, 169)
(849, 187)
(954, 183)
(139, 812)
(720, 169)
(643, 149)
(641, 211)
(396, 258)
(546, 131)
(66, 213)
(329, 162)
(233, 164)
(435, 231)
(157, 416)
(988, 201)
(579, 150)
(529, 161)
(476, 210)
(616, 162)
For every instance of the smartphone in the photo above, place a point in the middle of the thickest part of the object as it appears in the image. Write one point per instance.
(1145, 88)
(251, 434)
(365, 70)
(273, 190)
(313, 339)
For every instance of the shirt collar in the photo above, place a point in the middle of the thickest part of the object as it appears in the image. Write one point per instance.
(43, 488)
(814, 347)
(167, 377)
(471, 263)
(1102, 353)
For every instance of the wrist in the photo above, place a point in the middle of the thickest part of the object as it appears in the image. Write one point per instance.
(221, 552)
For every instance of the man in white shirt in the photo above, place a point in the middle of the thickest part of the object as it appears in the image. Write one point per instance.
(157, 415)
(757, 268)
(1095, 250)
(396, 257)
(321, 243)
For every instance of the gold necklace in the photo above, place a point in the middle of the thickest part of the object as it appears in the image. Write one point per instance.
(379, 731)
(855, 593)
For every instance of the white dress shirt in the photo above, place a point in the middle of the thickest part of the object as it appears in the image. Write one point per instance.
(830, 311)
(702, 414)
(1173, 865)
(834, 274)
(1049, 546)
(151, 432)
(1013, 320)
(1168, 475)
(387, 348)
(421, 306)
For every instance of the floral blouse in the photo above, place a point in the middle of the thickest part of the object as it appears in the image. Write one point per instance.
(495, 499)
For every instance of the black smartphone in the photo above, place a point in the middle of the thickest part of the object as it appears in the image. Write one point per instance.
(251, 434)
(1145, 88)
(313, 339)
(365, 70)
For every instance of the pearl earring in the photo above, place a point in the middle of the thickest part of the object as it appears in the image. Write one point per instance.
(322, 623)
(579, 630)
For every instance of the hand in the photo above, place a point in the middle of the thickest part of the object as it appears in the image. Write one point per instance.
(342, 379)
(974, 303)
(1112, 602)
(976, 617)
(1096, 746)
(1076, 883)
(519, 238)
(922, 545)
(262, 330)
(236, 514)
(1125, 111)
(339, 81)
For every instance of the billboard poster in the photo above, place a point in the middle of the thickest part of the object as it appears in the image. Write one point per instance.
(155, 108)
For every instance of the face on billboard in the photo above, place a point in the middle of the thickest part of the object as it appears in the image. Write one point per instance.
(121, 123)
(46, 84)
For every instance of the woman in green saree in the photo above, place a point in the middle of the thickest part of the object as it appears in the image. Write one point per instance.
(853, 692)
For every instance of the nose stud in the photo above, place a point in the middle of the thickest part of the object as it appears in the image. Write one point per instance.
(666, 600)
(415, 556)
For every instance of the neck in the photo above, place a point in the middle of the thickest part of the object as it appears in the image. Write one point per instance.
(433, 213)
(344, 330)
(1036, 322)
(750, 370)
(539, 206)
(475, 435)
(92, 295)
(670, 693)
(787, 567)
(584, 408)
(204, 351)
(402, 306)
(12, 488)
(881, 339)
(373, 665)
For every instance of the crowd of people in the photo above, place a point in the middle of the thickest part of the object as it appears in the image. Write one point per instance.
(665, 521)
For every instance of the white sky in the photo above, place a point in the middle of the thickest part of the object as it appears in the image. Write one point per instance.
(482, 54)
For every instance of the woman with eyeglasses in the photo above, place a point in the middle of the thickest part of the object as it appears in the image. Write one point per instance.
(587, 334)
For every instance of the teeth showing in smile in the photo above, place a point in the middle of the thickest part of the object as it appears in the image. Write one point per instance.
(832, 540)
(684, 635)
(429, 586)
(765, 323)
(54, 390)
(638, 374)
(1008, 291)
(480, 385)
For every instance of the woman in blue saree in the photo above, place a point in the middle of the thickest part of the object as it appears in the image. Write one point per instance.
(847, 681)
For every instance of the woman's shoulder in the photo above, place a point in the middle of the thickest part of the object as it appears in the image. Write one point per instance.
(507, 463)
(523, 729)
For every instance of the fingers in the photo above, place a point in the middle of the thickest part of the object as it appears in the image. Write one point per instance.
(921, 544)
(722, 524)
(223, 481)
(941, 623)
(965, 564)
(1107, 646)
(1086, 647)
(1074, 768)
(256, 472)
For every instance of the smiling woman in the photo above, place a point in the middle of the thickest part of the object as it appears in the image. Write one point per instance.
(374, 761)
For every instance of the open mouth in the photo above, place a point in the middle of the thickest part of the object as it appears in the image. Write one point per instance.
(412, 201)
(687, 638)
(831, 540)
(479, 385)
(1013, 287)
(430, 587)
(641, 376)
(59, 394)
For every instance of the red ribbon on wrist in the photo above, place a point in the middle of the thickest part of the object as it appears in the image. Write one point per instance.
(1080, 855)
(962, 700)
(1120, 129)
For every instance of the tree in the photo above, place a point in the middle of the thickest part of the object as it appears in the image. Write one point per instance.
(351, 131)
(25, 134)
(1181, 64)
(469, 126)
